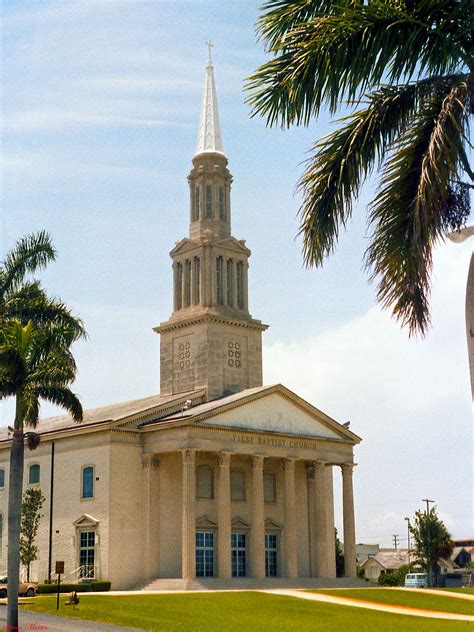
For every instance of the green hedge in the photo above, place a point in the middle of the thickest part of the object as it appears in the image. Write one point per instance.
(95, 586)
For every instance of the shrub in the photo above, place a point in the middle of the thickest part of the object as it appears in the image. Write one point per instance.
(388, 579)
(94, 586)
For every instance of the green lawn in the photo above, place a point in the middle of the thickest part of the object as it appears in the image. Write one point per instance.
(237, 612)
(404, 598)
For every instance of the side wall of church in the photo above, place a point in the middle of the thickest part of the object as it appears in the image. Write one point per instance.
(126, 512)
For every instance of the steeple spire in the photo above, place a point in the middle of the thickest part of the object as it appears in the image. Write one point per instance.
(209, 134)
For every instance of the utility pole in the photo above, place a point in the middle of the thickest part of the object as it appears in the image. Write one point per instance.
(408, 538)
(427, 501)
(396, 538)
(428, 544)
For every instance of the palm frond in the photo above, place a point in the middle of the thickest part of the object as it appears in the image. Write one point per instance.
(337, 55)
(410, 213)
(31, 253)
(343, 159)
(64, 397)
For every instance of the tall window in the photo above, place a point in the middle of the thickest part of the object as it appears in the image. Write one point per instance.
(237, 485)
(204, 554)
(87, 553)
(230, 282)
(219, 288)
(269, 487)
(2, 479)
(240, 284)
(34, 474)
(1, 535)
(221, 203)
(195, 203)
(208, 201)
(187, 283)
(239, 554)
(271, 555)
(88, 482)
(204, 482)
(179, 285)
(197, 280)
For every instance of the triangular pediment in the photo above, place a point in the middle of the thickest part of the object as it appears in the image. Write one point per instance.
(278, 411)
(86, 521)
(238, 523)
(270, 525)
(205, 523)
(184, 245)
(235, 245)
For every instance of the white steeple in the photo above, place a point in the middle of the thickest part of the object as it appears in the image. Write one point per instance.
(209, 134)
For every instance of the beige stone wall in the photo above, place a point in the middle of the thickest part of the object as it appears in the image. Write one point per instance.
(168, 538)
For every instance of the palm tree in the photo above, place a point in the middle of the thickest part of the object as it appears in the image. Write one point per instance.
(35, 363)
(26, 309)
(25, 299)
(407, 68)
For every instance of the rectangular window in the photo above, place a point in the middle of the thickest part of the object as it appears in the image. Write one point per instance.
(237, 485)
(86, 553)
(195, 203)
(204, 554)
(34, 474)
(179, 286)
(197, 280)
(221, 203)
(240, 284)
(88, 482)
(219, 288)
(269, 487)
(208, 201)
(239, 554)
(271, 555)
(230, 282)
(187, 283)
(2, 479)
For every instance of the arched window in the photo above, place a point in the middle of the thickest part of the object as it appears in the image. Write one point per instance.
(88, 482)
(2, 479)
(34, 474)
(237, 485)
(269, 487)
(204, 482)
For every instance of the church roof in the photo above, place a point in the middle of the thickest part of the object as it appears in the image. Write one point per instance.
(110, 413)
(209, 133)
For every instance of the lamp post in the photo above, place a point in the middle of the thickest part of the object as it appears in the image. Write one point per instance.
(408, 537)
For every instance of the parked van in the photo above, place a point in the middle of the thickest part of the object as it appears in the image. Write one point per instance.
(416, 580)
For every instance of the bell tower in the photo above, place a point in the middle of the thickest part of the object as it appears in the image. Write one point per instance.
(210, 341)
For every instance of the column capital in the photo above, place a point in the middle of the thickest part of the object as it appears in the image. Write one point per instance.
(288, 463)
(347, 468)
(319, 466)
(189, 455)
(151, 461)
(223, 458)
(257, 461)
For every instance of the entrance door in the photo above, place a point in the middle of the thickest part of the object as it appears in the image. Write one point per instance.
(239, 554)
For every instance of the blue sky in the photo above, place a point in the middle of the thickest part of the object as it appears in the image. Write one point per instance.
(100, 110)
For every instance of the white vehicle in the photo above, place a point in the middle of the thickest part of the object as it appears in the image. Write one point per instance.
(416, 580)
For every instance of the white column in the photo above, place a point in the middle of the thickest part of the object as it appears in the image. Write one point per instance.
(320, 530)
(188, 515)
(289, 528)
(350, 568)
(330, 525)
(150, 465)
(224, 563)
(258, 519)
(245, 284)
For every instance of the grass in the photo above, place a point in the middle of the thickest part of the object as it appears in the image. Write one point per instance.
(466, 590)
(393, 597)
(237, 612)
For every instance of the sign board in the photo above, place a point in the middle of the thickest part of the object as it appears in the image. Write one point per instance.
(59, 568)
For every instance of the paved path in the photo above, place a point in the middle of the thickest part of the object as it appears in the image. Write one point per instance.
(52, 623)
(439, 593)
(370, 605)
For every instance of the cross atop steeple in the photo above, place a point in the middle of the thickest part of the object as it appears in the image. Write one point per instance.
(209, 45)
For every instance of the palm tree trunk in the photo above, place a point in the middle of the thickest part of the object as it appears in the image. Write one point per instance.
(15, 489)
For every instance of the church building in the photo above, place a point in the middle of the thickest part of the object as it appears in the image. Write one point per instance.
(216, 479)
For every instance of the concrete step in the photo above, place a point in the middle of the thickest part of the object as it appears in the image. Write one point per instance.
(249, 583)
